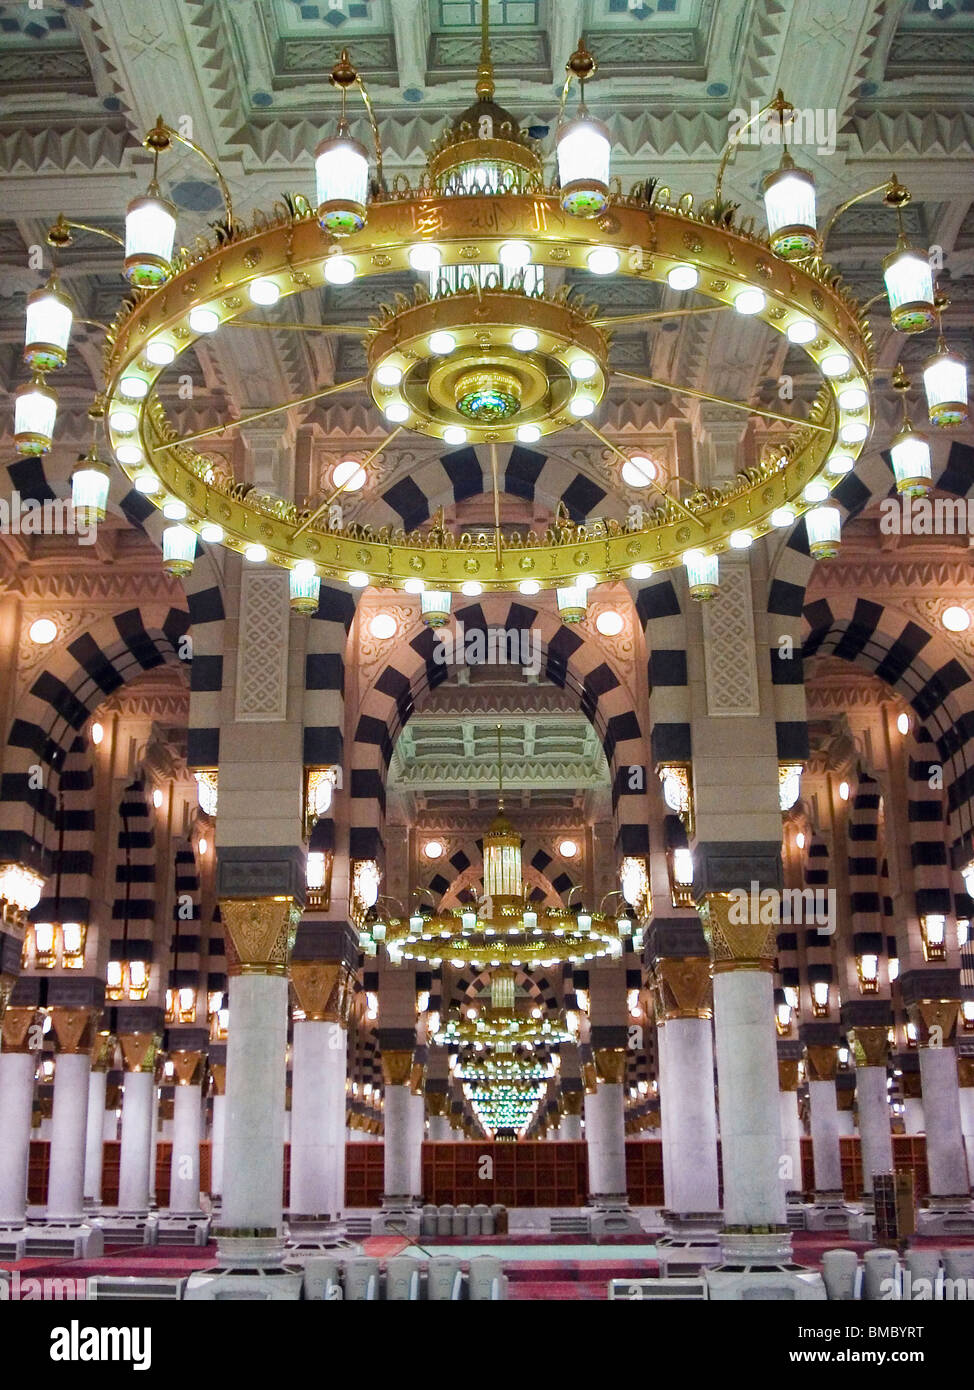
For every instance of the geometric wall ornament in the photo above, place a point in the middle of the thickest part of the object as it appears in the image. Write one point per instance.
(262, 645)
(729, 651)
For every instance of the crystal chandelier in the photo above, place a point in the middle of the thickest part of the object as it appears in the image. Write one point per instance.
(486, 352)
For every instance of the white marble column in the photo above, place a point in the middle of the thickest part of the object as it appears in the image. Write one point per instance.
(965, 1077)
(791, 1125)
(688, 1112)
(946, 1159)
(397, 1164)
(318, 1119)
(876, 1139)
(750, 1121)
(137, 1137)
(184, 1174)
(913, 1119)
(824, 1126)
(95, 1136)
(66, 1174)
(253, 1162)
(17, 1071)
(218, 1132)
(605, 1128)
(440, 1128)
(417, 1133)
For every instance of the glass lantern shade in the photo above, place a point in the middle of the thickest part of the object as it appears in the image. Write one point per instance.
(305, 587)
(178, 550)
(824, 526)
(502, 860)
(435, 605)
(48, 328)
(150, 230)
(703, 575)
(207, 790)
(35, 410)
(89, 490)
(20, 886)
(572, 603)
(342, 184)
(945, 382)
(909, 287)
(910, 454)
(789, 206)
(583, 150)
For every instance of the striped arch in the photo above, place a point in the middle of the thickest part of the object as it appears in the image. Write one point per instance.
(571, 661)
(77, 678)
(926, 670)
(134, 905)
(72, 860)
(460, 474)
(186, 944)
(819, 956)
(467, 863)
(539, 988)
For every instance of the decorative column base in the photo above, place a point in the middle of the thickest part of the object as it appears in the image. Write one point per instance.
(251, 1267)
(691, 1242)
(400, 1216)
(309, 1236)
(609, 1214)
(946, 1216)
(759, 1264)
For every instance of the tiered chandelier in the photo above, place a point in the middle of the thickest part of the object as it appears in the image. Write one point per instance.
(504, 928)
(485, 354)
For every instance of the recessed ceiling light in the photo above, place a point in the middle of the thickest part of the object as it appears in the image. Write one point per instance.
(568, 849)
(903, 722)
(433, 849)
(42, 631)
(610, 623)
(349, 475)
(639, 471)
(383, 626)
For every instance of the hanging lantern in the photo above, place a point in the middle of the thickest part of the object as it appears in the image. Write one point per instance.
(909, 286)
(945, 382)
(178, 550)
(48, 328)
(910, 454)
(703, 575)
(435, 605)
(20, 886)
(342, 183)
(35, 410)
(789, 206)
(89, 489)
(502, 859)
(572, 603)
(583, 150)
(824, 526)
(305, 587)
(150, 230)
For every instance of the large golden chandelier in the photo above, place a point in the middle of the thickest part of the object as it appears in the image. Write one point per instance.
(484, 354)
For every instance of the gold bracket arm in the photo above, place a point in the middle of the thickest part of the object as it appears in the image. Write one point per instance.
(777, 103)
(58, 236)
(722, 400)
(690, 516)
(655, 314)
(263, 414)
(367, 100)
(300, 327)
(892, 188)
(154, 141)
(319, 511)
(495, 486)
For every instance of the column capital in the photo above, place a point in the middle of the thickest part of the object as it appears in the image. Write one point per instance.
(572, 1102)
(822, 1061)
(787, 1074)
(7, 982)
(737, 937)
(73, 1029)
(681, 985)
(218, 1074)
(935, 1020)
(139, 1051)
(965, 1071)
(259, 934)
(610, 1065)
(15, 1029)
(870, 1044)
(324, 989)
(397, 1067)
(437, 1102)
(103, 1051)
(188, 1067)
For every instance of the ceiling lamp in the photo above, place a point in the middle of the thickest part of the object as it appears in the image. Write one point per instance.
(150, 231)
(909, 451)
(35, 410)
(435, 605)
(955, 619)
(48, 327)
(572, 603)
(945, 380)
(342, 166)
(20, 887)
(304, 587)
(909, 288)
(824, 527)
(583, 147)
(178, 550)
(702, 575)
(789, 204)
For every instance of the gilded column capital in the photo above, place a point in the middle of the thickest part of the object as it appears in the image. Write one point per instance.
(417, 1078)
(15, 1029)
(259, 934)
(787, 1074)
(610, 1064)
(188, 1067)
(436, 1103)
(822, 1062)
(590, 1079)
(103, 1051)
(139, 1051)
(572, 1102)
(935, 1020)
(870, 1045)
(324, 989)
(218, 1074)
(73, 1029)
(737, 936)
(397, 1067)
(911, 1085)
(681, 985)
(7, 983)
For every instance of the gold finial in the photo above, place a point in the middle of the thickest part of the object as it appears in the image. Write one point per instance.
(158, 139)
(581, 64)
(485, 72)
(899, 380)
(343, 74)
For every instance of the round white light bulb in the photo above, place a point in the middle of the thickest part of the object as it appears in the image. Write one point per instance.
(682, 277)
(603, 260)
(388, 374)
(528, 434)
(256, 554)
(203, 320)
(264, 292)
(749, 301)
(442, 343)
(525, 340)
(425, 257)
(160, 354)
(802, 331)
(339, 270)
